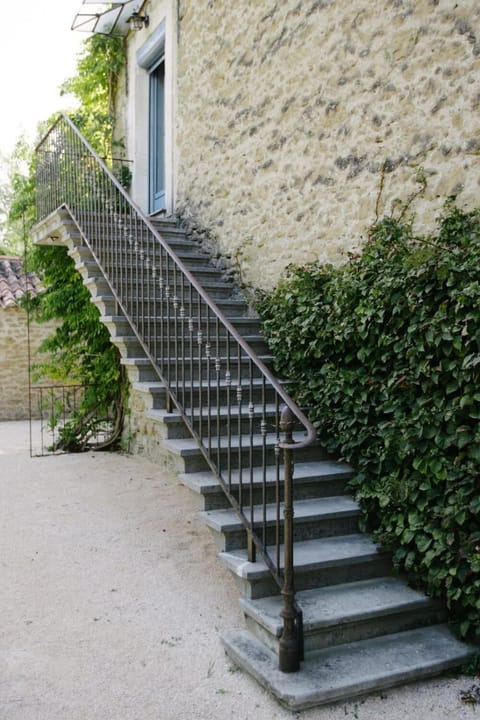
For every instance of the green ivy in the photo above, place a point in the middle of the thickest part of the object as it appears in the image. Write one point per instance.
(94, 85)
(80, 350)
(384, 353)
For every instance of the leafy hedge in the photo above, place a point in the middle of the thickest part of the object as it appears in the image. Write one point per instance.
(384, 351)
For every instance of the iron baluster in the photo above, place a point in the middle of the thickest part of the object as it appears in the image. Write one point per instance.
(263, 433)
(199, 369)
(239, 427)
(277, 486)
(252, 555)
(190, 354)
(289, 648)
(228, 384)
(182, 337)
(218, 369)
(175, 305)
(166, 293)
(159, 314)
(208, 352)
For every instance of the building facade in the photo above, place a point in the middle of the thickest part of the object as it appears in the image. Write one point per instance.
(281, 131)
(19, 340)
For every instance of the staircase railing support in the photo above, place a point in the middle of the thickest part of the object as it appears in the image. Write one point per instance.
(185, 334)
(290, 644)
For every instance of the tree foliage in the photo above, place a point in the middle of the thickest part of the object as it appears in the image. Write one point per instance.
(80, 350)
(95, 86)
(17, 200)
(384, 352)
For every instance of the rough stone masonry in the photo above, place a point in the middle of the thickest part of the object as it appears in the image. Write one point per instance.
(300, 123)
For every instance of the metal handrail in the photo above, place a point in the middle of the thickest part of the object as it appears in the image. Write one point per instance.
(171, 312)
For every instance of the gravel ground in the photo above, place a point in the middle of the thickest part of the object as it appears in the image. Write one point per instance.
(113, 603)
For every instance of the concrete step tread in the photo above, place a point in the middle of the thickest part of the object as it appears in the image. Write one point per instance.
(86, 258)
(174, 417)
(148, 386)
(188, 446)
(237, 321)
(208, 283)
(227, 521)
(256, 383)
(348, 671)
(230, 302)
(250, 339)
(334, 605)
(310, 555)
(136, 361)
(206, 483)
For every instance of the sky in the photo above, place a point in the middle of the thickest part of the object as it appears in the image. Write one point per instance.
(38, 51)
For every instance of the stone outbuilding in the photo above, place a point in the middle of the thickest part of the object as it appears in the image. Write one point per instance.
(15, 333)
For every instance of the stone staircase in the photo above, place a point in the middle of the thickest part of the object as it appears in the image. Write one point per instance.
(365, 629)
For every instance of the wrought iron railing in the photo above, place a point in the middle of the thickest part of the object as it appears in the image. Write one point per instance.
(232, 404)
(50, 408)
(57, 424)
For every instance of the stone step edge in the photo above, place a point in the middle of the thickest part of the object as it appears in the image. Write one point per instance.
(234, 320)
(349, 671)
(306, 511)
(342, 604)
(188, 446)
(338, 551)
(205, 483)
(174, 417)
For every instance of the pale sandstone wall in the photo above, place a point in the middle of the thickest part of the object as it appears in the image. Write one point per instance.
(288, 111)
(14, 402)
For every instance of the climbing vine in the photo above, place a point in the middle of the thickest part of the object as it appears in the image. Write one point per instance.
(95, 86)
(384, 352)
(79, 350)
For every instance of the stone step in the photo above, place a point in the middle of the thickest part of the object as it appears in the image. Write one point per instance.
(143, 371)
(153, 392)
(347, 612)
(126, 265)
(351, 670)
(88, 267)
(130, 257)
(123, 231)
(242, 451)
(216, 289)
(129, 347)
(178, 240)
(162, 224)
(319, 562)
(230, 307)
(140, 370)
(187, 368)
(176, 427)
(322, 478)
(314, 518)
(244, 325)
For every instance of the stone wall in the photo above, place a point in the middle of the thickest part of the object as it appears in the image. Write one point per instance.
(14, 396)
(298, 123)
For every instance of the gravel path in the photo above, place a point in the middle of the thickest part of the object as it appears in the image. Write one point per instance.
(113, 602)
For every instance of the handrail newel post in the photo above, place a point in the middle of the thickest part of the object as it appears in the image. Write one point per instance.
(289, 655)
